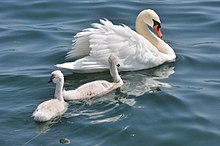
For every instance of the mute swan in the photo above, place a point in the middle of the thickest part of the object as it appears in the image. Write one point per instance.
(135, 50)
(99, 87)
(54, 107)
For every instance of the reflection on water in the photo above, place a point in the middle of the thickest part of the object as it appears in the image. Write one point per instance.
(44, 127)
(138, 83)
(108, 111)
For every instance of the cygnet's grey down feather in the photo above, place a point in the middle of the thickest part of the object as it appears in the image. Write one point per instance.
(99, 87)
(50, 109)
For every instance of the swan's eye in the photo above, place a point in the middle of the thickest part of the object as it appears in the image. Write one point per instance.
(156, 23)
(118, 65)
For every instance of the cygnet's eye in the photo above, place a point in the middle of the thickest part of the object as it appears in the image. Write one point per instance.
(53, 76)
(118, 65)
(51, 79)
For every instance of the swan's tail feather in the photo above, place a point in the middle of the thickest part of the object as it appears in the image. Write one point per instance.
(80, 47)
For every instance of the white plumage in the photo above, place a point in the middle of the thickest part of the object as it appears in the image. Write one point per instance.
(49, 110)
(135, 50)
(54, 107)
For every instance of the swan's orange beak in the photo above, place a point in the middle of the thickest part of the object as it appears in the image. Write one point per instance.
(157, 29)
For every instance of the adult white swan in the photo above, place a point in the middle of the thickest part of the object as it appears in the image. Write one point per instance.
(50, 109)
(135, 50)
(97, 88)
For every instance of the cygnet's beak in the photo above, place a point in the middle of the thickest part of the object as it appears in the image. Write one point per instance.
(51, 79)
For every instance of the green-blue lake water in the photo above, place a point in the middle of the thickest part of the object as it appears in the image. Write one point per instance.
(36, 35)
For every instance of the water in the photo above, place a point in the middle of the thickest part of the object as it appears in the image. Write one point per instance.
(35, 35)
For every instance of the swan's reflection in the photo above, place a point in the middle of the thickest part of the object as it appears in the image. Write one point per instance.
(138, 83)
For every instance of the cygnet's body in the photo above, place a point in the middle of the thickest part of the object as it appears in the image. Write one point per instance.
(99, 87)
(54, 107)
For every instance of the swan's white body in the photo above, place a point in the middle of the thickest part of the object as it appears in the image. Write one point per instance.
(96, 88)
(135, 50)
(54, 107)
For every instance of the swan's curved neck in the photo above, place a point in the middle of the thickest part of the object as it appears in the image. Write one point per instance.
(143, 30)
(114, 73)
(59, 90)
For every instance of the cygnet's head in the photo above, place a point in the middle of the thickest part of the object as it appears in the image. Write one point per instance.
(113, 60)
(56, 77)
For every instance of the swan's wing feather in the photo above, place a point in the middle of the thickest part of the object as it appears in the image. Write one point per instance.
(97, 43)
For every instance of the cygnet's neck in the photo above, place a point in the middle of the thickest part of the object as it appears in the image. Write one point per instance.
(59, 90)
(114, 73)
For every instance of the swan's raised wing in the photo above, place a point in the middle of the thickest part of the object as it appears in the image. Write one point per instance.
(97, 43)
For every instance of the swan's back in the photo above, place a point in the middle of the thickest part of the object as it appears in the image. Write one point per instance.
(49, 109)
